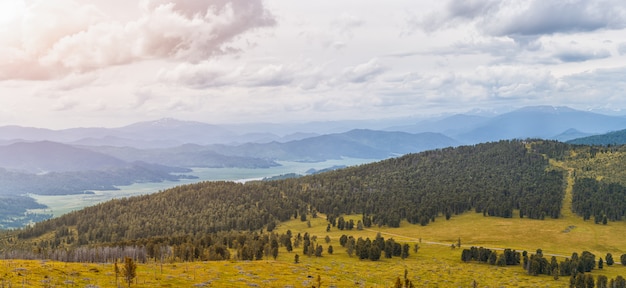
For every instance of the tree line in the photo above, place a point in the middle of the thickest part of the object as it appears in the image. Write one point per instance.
(577, 267)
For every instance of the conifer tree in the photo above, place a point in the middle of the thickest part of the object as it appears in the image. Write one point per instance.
(129, 270)
(609, 259)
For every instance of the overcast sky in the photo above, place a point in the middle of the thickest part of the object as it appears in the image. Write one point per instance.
(69, 63)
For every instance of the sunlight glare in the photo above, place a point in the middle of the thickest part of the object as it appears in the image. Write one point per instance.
(11, 10)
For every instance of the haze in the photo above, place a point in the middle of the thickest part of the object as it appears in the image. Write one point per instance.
(108, 63)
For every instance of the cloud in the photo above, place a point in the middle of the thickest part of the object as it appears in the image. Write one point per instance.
(578, 55)
(346, 23)
(604, 86)
(209, 74)
(550, 17)
(621, 48)
(481, 85)
(57, 40)
(521, 19)
(304, 75)
(363, 72)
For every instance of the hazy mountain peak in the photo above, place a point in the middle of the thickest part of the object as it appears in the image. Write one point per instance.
(547, 109)
(167, 123)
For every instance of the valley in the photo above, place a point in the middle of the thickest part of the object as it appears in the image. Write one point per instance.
(235, 224)
(312, 144)
(58, 205)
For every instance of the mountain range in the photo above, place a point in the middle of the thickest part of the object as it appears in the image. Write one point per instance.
(188, 144)
(78, 160)
(548, 122)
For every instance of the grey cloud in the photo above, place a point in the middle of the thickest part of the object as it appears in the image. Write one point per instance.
(571, 55)
(621, 48)
(470, 9)
(522, 20)
(555, 16)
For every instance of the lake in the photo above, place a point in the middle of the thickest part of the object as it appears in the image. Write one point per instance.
(59, 205)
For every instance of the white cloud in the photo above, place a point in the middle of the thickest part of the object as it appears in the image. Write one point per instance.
(64, 36)
(363, 72)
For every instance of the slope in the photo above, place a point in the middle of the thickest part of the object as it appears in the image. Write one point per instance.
(416, 187)
(611, 138)
(49, 156)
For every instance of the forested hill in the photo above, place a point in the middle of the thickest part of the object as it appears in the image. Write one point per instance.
(611, 138)
(492, 178)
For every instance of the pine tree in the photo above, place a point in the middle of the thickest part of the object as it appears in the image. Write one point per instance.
(555, 273)
(129, 270)
(602, 281)
(609, 259)
(405, 251)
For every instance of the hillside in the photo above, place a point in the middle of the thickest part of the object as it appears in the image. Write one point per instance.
(491, 194)
(418, 188)
(46, 156)
(611, 138)
(49, 168)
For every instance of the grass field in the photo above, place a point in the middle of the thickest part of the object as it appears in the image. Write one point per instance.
(434, 265)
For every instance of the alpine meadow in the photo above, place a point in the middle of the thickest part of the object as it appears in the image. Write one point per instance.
(312, 144)
(437, 218)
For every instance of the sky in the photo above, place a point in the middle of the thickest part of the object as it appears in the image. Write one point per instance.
(109, 63)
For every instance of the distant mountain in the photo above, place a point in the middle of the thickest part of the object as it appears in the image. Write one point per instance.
(570, 134)
(366, 144)
(168, 132)
(540, 122)
(165, 132)
(176, 130)
(470, 128)
(188, 155)
(46, 156)
(125, 142)
(611, 138)
(360, 143)
(452, 125)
